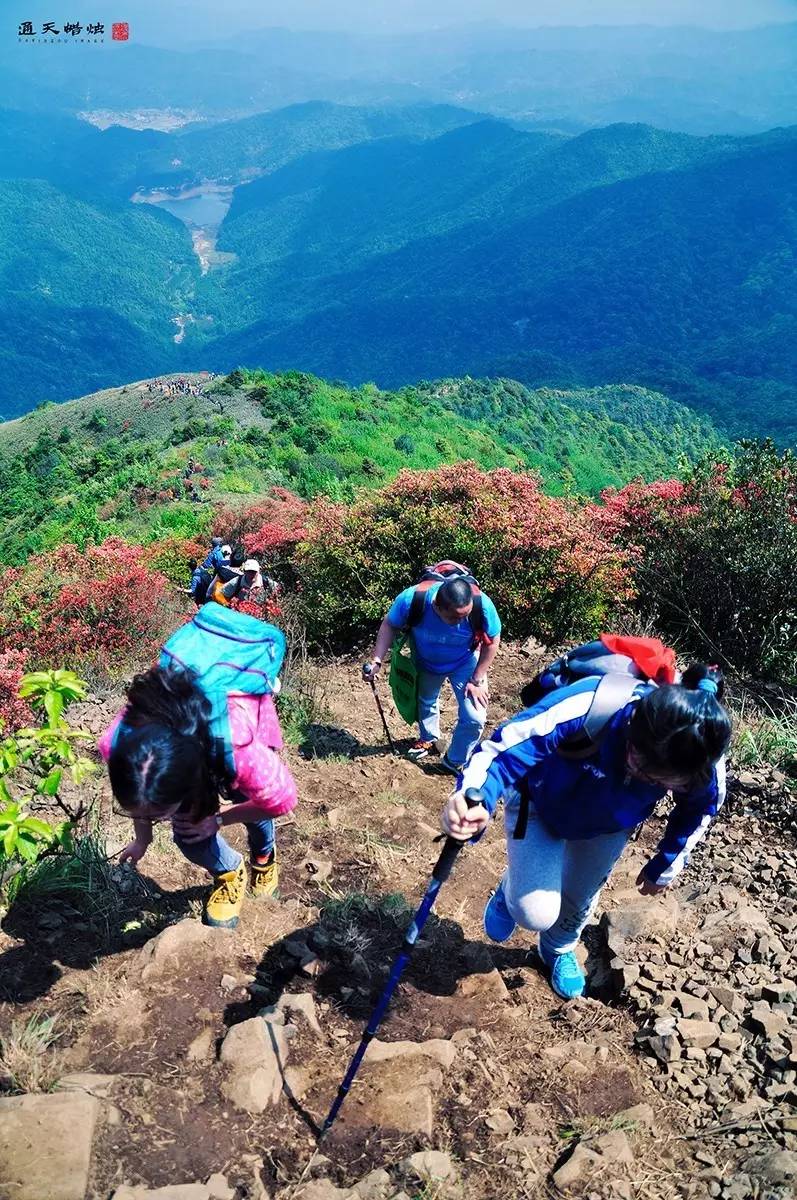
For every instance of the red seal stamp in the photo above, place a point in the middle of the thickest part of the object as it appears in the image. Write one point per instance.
(120, 31)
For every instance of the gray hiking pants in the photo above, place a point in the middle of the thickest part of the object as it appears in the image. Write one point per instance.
(552, 884)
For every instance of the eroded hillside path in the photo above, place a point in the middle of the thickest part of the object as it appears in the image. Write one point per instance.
(676, 1078)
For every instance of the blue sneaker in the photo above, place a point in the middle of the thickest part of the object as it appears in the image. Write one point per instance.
(498, 922)
(567, 978)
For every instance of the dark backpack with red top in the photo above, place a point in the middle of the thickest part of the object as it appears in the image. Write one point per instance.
(440, 573)
(620, 663)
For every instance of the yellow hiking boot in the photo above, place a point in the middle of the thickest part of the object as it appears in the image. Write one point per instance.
(223, 904)
(265, 877)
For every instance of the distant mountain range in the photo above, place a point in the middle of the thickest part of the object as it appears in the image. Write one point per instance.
(621, 254)
(402, 244)
(695, 80)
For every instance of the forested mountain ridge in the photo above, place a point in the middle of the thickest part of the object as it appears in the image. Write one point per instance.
(265, 142)
(86, 291)
(114, 163)
(326, 213)
(672, 278)
(115, 461)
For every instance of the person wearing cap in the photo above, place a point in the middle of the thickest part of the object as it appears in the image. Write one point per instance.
(250, 581)
(238, 581)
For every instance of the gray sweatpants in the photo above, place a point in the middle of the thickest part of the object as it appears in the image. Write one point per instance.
(552, 884)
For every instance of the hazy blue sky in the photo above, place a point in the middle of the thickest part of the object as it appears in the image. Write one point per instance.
(159, 20)
(403, 14)
(178, 23)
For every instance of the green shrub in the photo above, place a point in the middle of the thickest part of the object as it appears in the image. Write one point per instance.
(236, 483)
(169, 555)
(34, 764)
(769, 739)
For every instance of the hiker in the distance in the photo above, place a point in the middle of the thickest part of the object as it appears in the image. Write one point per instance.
(216, 556)
(199, 584)
(198, 729)
(571, 802)
(455, 633)
(242, 582)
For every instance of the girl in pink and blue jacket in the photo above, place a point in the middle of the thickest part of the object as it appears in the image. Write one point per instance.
(165, 764)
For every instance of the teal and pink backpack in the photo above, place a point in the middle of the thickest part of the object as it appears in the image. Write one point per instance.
(230, 652)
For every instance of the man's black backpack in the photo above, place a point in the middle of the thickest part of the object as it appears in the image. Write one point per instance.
(440, 573)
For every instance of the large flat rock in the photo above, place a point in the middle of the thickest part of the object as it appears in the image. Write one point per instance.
(45, 1145)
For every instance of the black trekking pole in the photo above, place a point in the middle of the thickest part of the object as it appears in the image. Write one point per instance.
(440, 874)
(368, 674)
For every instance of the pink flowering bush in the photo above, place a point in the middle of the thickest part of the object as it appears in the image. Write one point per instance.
(101, 607)
(546, 563)
(269, 531)
(15, 713)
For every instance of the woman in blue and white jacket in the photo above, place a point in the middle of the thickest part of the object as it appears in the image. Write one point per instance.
(568, 819)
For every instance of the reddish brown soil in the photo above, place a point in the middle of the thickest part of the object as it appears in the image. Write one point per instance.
(375, 816)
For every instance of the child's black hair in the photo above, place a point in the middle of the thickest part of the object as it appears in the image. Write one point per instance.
(164, 754)
(682, 728)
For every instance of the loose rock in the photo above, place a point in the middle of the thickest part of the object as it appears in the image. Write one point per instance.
(489, 986)
(429, 1165)
(177, 944)
(577, 1168)
(700, 1034)
(439, 1049)
(323, 1189)
(175, 1191)
(304, 1004)
(219, 1188)
(778, 1166)
(202, 1046)
(768, 1022)
(316, 870)
(500, 1121)
(256, 1054)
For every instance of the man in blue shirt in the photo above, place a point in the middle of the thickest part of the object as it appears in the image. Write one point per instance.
(446, 646)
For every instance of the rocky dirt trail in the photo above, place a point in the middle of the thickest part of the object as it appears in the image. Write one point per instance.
(196, 1063)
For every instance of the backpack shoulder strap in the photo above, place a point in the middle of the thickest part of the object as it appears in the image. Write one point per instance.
(476, 617)
(417, 607)
(612, 694)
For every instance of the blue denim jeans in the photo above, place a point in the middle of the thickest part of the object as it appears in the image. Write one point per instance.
(471, 719)
(218, 856)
